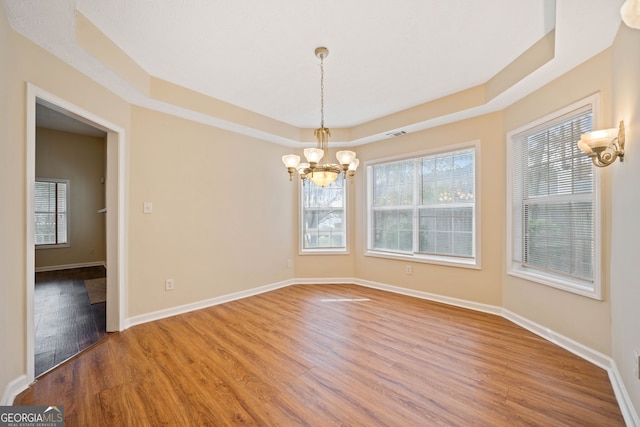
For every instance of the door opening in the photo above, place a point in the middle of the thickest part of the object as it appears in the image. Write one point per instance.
(98, 256)
(69, 305)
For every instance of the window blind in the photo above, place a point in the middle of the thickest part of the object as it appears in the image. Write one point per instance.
(552, 199)
(50, 202)
(323, 216)
(424, 206)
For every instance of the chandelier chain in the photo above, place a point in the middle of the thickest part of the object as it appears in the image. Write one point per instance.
(322, 90)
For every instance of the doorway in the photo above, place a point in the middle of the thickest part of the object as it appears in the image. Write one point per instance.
(112, 212)
(70, 238)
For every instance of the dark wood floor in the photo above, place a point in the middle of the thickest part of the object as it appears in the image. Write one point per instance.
(319, 355)
(65, 322)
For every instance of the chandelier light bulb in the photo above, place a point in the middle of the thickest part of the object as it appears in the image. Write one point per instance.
(302, 167)
(345, 157)
(313, 155)
(291, 160)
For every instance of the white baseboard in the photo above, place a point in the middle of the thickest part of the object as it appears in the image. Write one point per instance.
(70, 266)
(326, 281)
(485, 308)
(574, 347)
(624, 401)
(601, 360)
(12, 389)
(181, 309)
(605, 362)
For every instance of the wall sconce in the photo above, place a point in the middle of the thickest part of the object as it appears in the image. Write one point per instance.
(603, 146)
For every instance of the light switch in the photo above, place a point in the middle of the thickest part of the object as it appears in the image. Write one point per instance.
(147, 207)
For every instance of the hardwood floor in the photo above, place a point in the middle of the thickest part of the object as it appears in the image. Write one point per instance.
(65, 323)
(317, 355)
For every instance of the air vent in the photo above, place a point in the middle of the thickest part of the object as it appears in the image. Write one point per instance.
(396, 133)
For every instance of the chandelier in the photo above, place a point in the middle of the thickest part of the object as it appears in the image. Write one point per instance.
(321, 174)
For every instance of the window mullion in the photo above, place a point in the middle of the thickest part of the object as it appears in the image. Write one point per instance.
(55, 187)
(417, 189)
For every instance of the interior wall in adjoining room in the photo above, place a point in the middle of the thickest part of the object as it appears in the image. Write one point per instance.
(81, 160)
(588, 321)
(222, 218)
(481, 285)
(625, 227)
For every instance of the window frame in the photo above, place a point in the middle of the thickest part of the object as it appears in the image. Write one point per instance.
(67, 215)
(516, 268)
(324, 250)
(473, 262)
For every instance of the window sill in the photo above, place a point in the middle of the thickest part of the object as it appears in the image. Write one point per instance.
(585, 289)
(328, 251)
(61, 246)
(438, 260)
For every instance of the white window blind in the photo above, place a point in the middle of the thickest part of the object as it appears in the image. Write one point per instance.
(323, 217)
(553, 207)
(424, 207)
(51, 212)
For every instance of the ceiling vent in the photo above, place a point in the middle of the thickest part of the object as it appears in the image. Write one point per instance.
(396, 133)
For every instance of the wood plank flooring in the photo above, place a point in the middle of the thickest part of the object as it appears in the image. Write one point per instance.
(65, 323)
(322, 355)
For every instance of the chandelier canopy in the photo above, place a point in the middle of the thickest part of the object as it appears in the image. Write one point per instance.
(321, 174)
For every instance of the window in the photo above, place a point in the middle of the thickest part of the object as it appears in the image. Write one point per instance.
(51, 212)
(552, 202)
(424, 207)
(323, 217)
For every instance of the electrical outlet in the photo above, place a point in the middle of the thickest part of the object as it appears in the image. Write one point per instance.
(409, 270)
(289, 263)
(147, 207)
(168, 285)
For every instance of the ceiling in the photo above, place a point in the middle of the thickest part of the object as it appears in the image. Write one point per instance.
(259, 55)
(50, 117)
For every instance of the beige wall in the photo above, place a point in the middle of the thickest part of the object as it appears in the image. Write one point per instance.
(81, 160)
(625, 233)
(11, 229)
(218, 228)
(588, 321)
(478, 285)
(20, 62)
(222, 217)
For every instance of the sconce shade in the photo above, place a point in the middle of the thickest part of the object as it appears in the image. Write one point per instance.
(630, 13)
(597, 138)
(584, 147)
